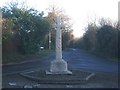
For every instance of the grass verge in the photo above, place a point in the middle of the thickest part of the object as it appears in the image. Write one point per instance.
(17, 57)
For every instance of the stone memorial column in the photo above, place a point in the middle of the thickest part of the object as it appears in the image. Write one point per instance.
(59, 66)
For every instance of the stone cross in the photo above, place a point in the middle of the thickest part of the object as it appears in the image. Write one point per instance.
(58, 66)
(59, 27)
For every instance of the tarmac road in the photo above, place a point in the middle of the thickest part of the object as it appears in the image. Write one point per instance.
(79, 59)
(76, 59)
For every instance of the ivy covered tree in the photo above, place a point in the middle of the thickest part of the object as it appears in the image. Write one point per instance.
(25, 27)
(107, 40)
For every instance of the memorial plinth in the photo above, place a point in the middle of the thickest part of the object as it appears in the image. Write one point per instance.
(58, 66)
(77, 77)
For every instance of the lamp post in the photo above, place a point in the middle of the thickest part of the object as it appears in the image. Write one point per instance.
(119, 12)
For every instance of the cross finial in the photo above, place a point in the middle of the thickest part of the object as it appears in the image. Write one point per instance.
(58, 20)
(58, 24)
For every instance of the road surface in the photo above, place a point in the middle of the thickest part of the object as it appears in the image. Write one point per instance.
(76, 59)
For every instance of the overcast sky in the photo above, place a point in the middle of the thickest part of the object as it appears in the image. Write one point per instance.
(80, 11)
